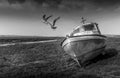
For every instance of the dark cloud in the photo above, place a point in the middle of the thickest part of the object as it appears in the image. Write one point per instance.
(106, 2)
(58, 2)
(48, 1)
(39, 1)
(70, 4)
(51, 2)
(100, 3)
(16, 1)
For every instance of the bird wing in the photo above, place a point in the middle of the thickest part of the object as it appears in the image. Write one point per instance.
(55, 20)
(44, 17)
(48, 17)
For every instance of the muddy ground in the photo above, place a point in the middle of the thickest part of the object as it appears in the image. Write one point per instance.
(48, 60)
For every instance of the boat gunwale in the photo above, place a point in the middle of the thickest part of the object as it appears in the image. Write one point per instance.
(87, 35)
(102, 36)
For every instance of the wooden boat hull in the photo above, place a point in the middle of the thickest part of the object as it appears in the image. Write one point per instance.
(84, 47)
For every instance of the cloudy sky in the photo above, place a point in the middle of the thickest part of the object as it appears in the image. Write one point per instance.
(22, 17)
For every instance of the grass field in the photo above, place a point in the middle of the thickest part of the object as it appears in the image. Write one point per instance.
(15, 39)
(48, 60)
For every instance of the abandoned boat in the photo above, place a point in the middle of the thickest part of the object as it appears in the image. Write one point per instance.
(84, 43)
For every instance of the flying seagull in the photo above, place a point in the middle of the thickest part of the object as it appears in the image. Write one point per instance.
(54, 22)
